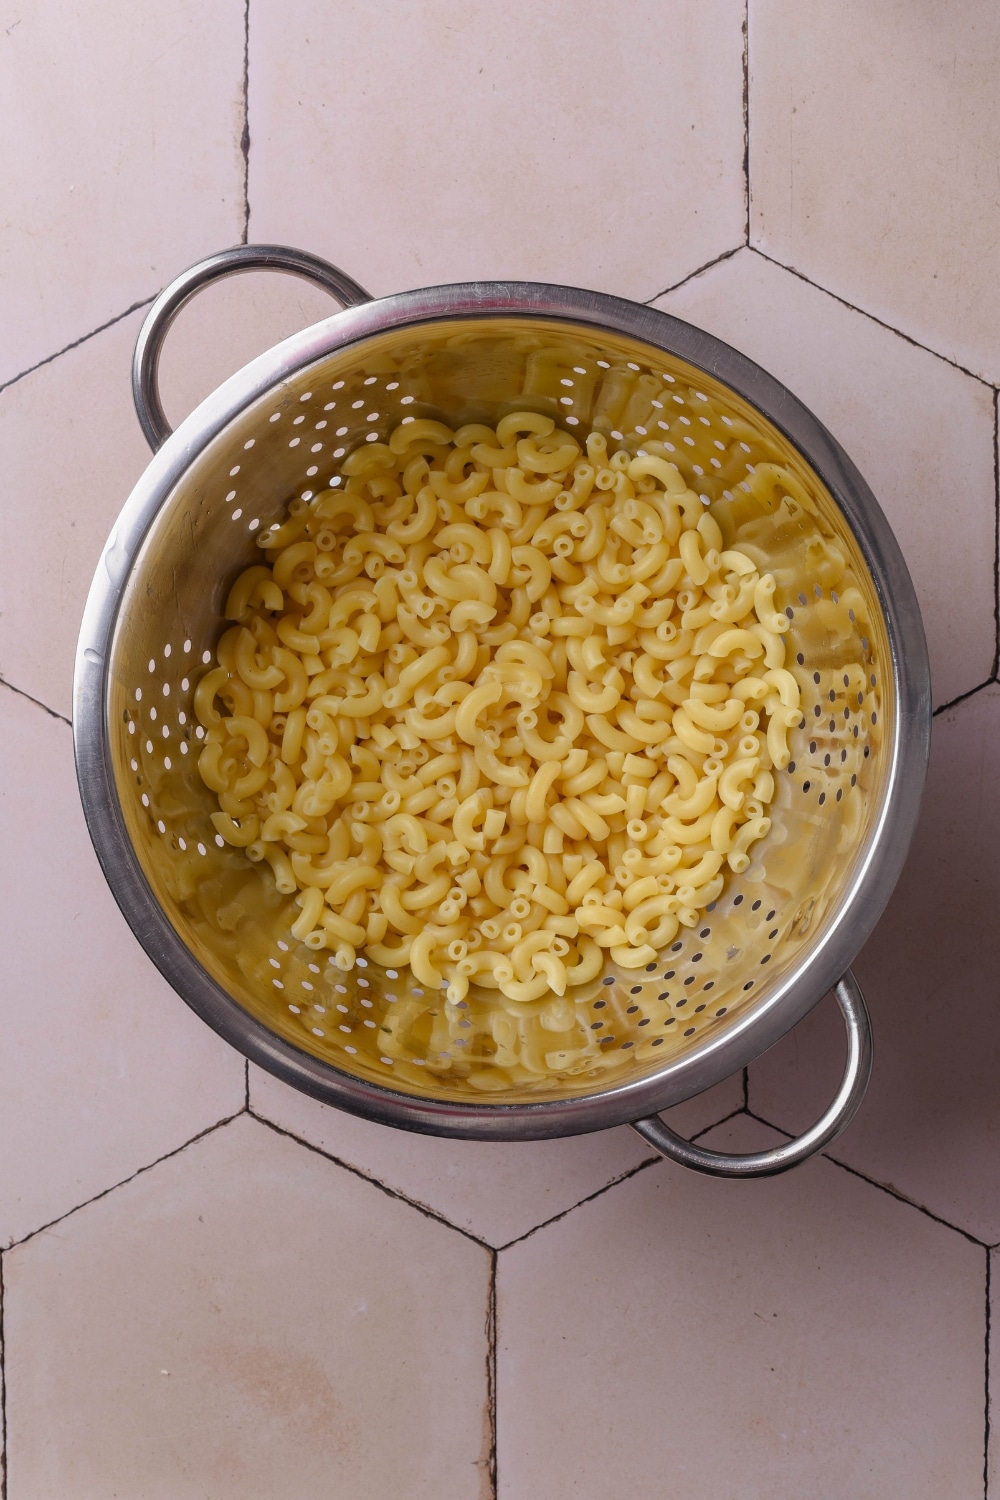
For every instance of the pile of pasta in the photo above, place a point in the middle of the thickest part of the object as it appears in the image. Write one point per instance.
(498, 706)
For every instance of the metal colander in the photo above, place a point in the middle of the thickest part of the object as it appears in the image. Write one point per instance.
(373, 1040)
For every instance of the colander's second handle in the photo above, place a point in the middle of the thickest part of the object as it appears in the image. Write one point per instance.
(780, 1158)
(145, 361)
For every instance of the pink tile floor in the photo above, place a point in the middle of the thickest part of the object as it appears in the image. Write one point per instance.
(213, 1286)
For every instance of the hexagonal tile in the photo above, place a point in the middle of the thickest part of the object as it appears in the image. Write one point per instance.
(497, 1191)
(873, 144)
(804, 1335)
(477, 141)
(103, 1067)
(930, 1127)
(72, 450)
(244, 1321)
(122, 161)
(919, 430)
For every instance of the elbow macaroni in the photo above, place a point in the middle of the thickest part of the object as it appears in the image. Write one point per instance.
(488, 708)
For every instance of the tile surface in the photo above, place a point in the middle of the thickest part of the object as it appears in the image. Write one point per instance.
(72, 450)
(688, 1337)
(103, 1067)
(919, 430)
(498, 1191)
(874, 135)
(122, 159)
(470, 141)
(278, 1343)
(930, 1126)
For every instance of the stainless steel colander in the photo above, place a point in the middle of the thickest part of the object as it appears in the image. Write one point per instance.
(373, 1041)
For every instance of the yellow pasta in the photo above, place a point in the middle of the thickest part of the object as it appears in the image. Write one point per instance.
(496, 707)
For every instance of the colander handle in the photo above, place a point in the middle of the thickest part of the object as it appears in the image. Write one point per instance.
(826, 1129)
(146, 359)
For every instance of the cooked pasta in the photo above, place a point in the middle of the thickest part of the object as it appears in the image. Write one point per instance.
(498, 705)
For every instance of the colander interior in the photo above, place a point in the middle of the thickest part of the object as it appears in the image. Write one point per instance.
(378, 1025)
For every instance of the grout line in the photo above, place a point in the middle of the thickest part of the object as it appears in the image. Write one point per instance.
(962, 696)
(793, 271)
(140, 1171)
(901, 1198)
(746, 112)
(732, 1115)
(996, 539)
(986, 1423)
(36, 701)
(439, 1218)
(3, 1392)
(245, 133)
(421, 1208)
(726, 255)
(246, 1085)
(746, 1088)
(883, 1187)
(491, 1376)
(650, 1161)
(144, 302)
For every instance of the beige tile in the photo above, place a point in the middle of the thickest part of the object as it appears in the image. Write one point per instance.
(467, 140)
(122, 160)
(103, 1068)
(806, 1335)
(920, 431)
(245, 1321)
(72, 450)
(874, 136)
(930, 1126)
(497, 1191)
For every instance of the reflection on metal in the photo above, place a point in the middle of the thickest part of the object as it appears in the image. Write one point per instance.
(841, 1112)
